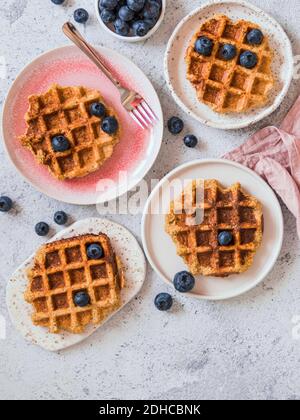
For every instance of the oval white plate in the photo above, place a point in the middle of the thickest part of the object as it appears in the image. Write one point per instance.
(175, 67)
(161, 251)
(125, 246)
(134, 155)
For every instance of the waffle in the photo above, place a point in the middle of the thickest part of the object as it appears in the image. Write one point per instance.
(226, 86)
(221, 209)
(65, 111)
(62, 269)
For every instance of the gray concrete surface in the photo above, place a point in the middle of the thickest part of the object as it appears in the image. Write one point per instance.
(239, 349)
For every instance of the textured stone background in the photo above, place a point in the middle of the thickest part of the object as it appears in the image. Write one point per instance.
(239, 349)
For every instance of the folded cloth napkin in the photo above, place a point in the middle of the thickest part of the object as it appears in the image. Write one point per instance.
(274, 153)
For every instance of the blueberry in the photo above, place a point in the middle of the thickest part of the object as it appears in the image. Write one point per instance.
(255, 37)
(97, 109)
(163, 301)
(81, 15)
(140, 28)
(107, 16)
(151, 22)
(108, 4)
(126, 14)
(60, 217)
(122, 28)
(58, 1)
(94, 252)
(110, 125)
(175, 125)
(82, 299)
(204, 46)
(190, 140)
(136, 5)
(228, 52)
(121, 3)
(248, 59)
(151, 10)
(184, 282)
(225, 238)
(158, 2)
(42, 229)
(60, 144)
(5, 204)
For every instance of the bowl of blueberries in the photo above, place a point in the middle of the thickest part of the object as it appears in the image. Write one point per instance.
(131, 20)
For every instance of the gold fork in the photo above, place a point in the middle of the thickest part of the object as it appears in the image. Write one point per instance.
(133, 102)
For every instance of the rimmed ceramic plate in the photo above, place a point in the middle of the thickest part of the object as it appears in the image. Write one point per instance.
(133, 156)
(134, 263)
(175, 67)
(161, 251)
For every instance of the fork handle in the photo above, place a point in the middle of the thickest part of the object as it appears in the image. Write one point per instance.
(75, 36)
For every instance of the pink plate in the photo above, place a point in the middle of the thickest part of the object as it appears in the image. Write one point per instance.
(132, 158)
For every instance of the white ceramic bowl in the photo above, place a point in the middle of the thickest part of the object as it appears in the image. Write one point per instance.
(131, 38)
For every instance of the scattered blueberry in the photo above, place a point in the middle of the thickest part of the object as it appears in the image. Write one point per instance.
(204, 46)
(141, 28)
(5, 204)
(108, 4)
(228, 52)
(175, 125)
(225, 238)
(81, 16)
(107, 16)
(81, 299)
(163, 301)
(42, 229)
(190, 140)
(151, 10)
(136, 5)
(255, 37)
(60, 217)
(122, 28)
(95, 252)
(248, 59)
(57, 1)
(184, 282)
(126, 14)
(60, 144)
(110, 125)
(97, 109)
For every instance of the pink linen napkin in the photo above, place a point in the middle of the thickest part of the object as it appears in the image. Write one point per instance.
(274, 153)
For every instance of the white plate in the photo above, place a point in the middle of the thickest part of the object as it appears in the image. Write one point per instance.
(125, 246)
(175, 67)
(161, 251)
(136, 151)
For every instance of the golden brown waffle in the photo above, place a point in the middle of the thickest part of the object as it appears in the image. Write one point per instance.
(61, 269)
(226, 86)
(222, 209)
(65, 111)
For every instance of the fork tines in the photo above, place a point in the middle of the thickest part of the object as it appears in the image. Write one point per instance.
(143, 115)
